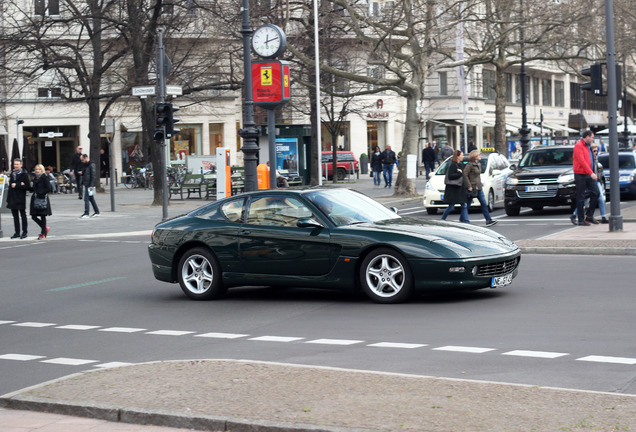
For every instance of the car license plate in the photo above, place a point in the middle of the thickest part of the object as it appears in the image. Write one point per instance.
(501, 281)
(441, 197)
(541, 188)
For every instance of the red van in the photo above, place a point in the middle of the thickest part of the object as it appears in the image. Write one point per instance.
(346, 164)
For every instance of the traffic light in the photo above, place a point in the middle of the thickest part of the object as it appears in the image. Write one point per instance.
(170, 129)
(596, 75)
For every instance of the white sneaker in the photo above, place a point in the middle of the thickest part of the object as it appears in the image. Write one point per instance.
(95, 215)
(84, 216)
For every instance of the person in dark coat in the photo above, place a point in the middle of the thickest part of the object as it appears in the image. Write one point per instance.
(376, 165)
(456, 194)
(77, 169)
(19, 184)
(429, 157)
(89, 182)
(41, 189)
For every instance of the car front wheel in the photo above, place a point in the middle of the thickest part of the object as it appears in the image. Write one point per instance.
(491, 201)
(431, 210)
(386, 277)
(199, 275)
(513, 211)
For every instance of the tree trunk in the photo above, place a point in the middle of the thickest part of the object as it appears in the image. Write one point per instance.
(501, 145)
(403, 185)
(94, 129)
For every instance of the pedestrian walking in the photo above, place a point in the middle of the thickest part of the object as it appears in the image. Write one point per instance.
(447, 151)
(19, 184)
(601, 190)
(585, 179)
(89, 180)
(428, 157)
(389, 159)
(376, 165)
(40, 206)
(455, 192)
(77, 169)
(474, 188)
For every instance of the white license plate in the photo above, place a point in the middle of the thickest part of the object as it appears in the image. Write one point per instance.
(542, 188)
(500, 281)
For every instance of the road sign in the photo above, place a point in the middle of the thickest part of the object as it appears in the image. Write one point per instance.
(174, 90)
(50, 134)
(143, 91)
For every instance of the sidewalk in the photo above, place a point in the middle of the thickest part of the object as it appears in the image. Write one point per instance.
(242, 396)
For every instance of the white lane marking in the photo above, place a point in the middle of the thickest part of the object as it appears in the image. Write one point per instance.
(537, 354)
(169, 332)
(20, 357)
(276, 339)
(221, 335)
(69, 361)
(122, 329)
(606, 359)
(77, 327)
(396, 345)
(334, 341)
(475, 350)
(33, 324)
(112, 365)
(6, 322)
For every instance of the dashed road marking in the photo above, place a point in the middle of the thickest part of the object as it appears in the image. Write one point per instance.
(276, 339)
(606, 359)
(396, 345)
(69, 361)
(33, 324)
(20, 357)
(81, 285)
(112, 365)
(221, 335)
(334, 341)
(169, 332)
(77, 327)
(122, 329)
(6, 322)
(474, 350)
(536, 354)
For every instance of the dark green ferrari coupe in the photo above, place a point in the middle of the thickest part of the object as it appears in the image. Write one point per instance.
(325, 238)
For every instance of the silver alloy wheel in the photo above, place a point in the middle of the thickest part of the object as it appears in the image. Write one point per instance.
(385, 275)
(197, 274)
(491, 201)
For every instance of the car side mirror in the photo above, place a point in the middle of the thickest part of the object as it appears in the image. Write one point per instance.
(309, 223)
(495, 172)
(394, 210)
(513, 167)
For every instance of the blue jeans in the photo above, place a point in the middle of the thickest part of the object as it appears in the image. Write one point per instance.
(89, 199)
(463, 216)
(376, 177)
(387, 169)
(585, 183)
(601, 201)
(430, 167)
(484, 205)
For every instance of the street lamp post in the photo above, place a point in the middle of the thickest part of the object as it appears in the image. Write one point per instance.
(524, 131)
(249, 132)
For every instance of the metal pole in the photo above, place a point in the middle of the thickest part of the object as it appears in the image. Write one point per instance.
(625, 128)
(524, 131)
(249, 133)
(271, 136)
(161, 93)
(615, 219)
(317, 72)
(581, 114)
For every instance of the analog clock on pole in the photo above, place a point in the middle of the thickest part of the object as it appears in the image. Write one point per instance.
(269, 41)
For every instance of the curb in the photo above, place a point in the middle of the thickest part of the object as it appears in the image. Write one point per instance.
(561, 250)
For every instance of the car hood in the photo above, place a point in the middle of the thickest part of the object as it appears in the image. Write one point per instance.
(542, 171)
(460, 239)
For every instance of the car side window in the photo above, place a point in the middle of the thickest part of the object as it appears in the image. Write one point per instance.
(233, 210)
(277, 211)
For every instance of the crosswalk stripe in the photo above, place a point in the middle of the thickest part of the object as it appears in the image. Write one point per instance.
(396, 345)
(169, 332)
(69, 361)
(537, 354)
(334, 341)
(221, 335)
(122, 329)
(475, 350)
(20, 357)
(607, 359)
(276, 339)
(33, 324)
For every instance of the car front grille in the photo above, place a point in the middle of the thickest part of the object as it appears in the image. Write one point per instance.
(531, 181)
(550, 193)
(497, 268)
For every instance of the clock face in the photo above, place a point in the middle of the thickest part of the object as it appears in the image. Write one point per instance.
(268, 41)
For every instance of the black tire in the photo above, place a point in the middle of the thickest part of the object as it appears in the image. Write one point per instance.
(491, 201)
(512, 211)
(385, 276)
(129, 182)
(199, 275)
(431, 210)
(340, 174)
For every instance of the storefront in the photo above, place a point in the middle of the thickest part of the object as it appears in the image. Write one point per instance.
(51, 146)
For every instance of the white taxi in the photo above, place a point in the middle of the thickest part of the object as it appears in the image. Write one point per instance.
(495, 168)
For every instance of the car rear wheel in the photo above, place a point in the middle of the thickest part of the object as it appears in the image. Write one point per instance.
(199, 275)
(386, 277)
(340, 174)
(491, 200)
(513, 211)
(431, 210)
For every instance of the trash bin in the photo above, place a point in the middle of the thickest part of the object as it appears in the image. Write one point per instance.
(364, 164)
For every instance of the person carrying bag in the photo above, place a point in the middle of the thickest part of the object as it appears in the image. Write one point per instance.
(455, 192)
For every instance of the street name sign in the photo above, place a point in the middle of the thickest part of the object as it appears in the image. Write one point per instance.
(143, 91)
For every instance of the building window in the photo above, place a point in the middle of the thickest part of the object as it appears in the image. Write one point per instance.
(443, 83)
(536, 86)
(47, 7)
(509, 89)
(559, 93)
(489, 84)
(185, 143)
(374, 71)
(546, 92)
(518, 89)
(50, 93)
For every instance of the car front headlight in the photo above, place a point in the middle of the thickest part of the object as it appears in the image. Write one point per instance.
(626, 178)
(566, 178)
(429, 186)
(512, 181)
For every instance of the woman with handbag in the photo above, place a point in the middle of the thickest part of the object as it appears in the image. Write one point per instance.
(474, 189)
(455, 192)
(40, 205)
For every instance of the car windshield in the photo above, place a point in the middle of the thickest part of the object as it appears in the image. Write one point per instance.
(547, 157)
(346, 207)
(444, 166)
(625, 161)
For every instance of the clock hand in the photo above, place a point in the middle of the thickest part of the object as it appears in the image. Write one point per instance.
(267, 41)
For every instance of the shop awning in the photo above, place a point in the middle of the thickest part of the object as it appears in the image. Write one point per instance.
(560, 128)
(588, 119)
(515, 128)
(456, 122)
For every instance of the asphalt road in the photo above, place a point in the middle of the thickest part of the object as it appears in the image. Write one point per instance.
(74, 305)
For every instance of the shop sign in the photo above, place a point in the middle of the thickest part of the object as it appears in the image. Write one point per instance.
(270, 83)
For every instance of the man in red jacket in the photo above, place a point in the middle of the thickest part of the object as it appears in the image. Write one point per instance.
(585, 179)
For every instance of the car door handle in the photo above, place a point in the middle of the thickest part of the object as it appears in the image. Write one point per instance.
(244, 232)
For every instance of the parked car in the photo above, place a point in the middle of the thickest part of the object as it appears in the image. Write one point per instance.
(543, 178)
(346, 164)
(329, 238)
(494, 171)
(626, 172)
